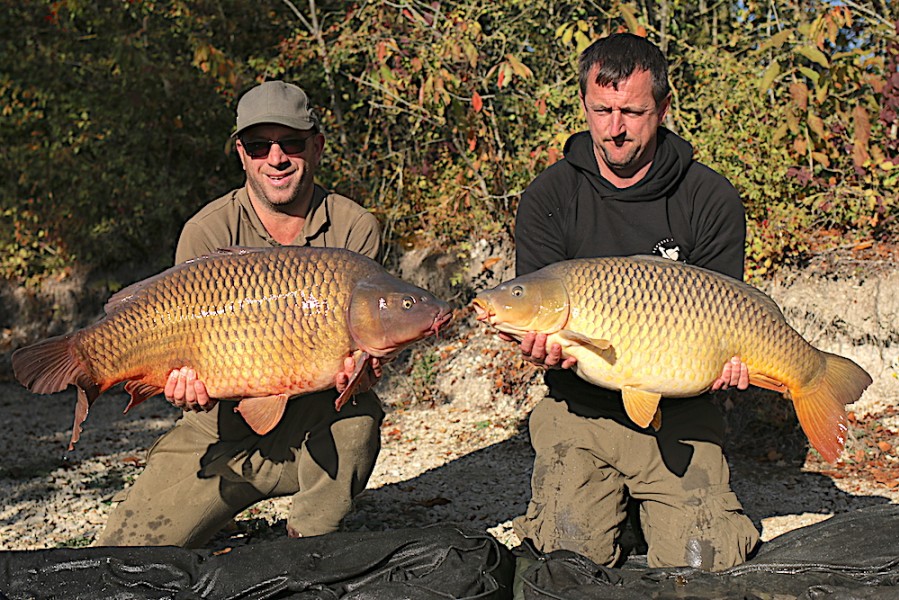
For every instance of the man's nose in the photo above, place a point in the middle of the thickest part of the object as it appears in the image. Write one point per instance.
(616, 123)
(276, 155)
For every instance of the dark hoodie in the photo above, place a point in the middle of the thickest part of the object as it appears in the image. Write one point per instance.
(681, 210)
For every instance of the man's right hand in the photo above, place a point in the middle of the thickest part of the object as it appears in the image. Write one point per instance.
(535, 351)
(186, 392)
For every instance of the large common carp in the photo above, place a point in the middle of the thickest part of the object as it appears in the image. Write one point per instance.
(653, 327)
(257, 325)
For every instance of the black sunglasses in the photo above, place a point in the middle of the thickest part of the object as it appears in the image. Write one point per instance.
(261, 148)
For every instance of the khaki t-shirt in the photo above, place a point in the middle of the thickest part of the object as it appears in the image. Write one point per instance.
(334, 221)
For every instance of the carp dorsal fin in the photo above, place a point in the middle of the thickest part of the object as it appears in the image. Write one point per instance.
(641, 406)
(131, 292)
(262, 413)
(232, 250)
(363, 359)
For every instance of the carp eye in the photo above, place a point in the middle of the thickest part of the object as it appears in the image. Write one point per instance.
(517, 291)
(408, 302)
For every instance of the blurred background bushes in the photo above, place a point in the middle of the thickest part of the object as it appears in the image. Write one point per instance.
(115, 116)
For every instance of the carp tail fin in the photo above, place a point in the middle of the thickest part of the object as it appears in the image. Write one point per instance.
(821, 407)
(51, 366)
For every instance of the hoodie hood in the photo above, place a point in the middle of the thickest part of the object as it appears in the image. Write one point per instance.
(672, 158)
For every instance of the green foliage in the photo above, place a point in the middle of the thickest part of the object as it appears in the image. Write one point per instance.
(111, 133)
(803, 146)
(114, 116)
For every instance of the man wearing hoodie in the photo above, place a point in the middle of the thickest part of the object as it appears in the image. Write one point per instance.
(630, 186)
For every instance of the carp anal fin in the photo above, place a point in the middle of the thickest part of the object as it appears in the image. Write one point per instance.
(363, 360)
(599, 346)
(140, 391)
(641, 406)
(263, 413)
(821, 408)
(86, 397)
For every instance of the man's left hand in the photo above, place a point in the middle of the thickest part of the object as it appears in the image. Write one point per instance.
(368, 378)
(735, 374)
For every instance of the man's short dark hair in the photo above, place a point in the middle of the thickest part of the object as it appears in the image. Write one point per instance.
(618, 56)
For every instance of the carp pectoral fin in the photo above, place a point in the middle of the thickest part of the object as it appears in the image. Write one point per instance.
(763, 381)
(140, 391)
(263, 413)
(641, 406)
(583, 340)
(363, 359)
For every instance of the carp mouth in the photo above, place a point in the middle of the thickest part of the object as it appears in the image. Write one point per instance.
(441, 321)
(482, 309)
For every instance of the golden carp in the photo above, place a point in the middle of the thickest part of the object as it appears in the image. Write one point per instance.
(653, 327)
(257, 325)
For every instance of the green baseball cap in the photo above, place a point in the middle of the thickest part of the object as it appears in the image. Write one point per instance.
(275, 102)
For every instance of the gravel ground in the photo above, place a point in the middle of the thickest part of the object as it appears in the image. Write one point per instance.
(455, 445)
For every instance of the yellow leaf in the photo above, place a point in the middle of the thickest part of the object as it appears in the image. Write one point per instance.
(816, 125)
(821, 158)
(582, 42)
(518, 67)
(811, 74)
(630, 19)
(769, 76)
(813, 54)
(775, 41)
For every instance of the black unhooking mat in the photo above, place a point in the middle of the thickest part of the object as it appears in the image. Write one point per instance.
(429, 563)
(852, 556)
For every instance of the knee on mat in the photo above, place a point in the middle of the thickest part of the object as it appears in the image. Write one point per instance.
(717, 537)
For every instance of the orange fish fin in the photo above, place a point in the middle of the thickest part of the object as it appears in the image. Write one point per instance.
(263, 413)
(51, 366)
(641, 406)
(140, 391)
(598, 343)
(83, 404)
(763, 381)
(363, 359)
(821, 408)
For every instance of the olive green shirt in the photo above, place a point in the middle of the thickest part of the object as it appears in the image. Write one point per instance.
(334, 221)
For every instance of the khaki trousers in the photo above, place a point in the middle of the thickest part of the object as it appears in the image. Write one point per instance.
(585, 468)
(211, 466)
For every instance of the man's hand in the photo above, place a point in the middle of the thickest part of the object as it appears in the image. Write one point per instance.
(735, 374)
(185, 391)
(368, 378)
(534, 350)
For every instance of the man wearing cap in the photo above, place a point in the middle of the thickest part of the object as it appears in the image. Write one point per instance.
(211, 466)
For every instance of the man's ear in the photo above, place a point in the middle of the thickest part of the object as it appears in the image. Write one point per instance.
(664, 105)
